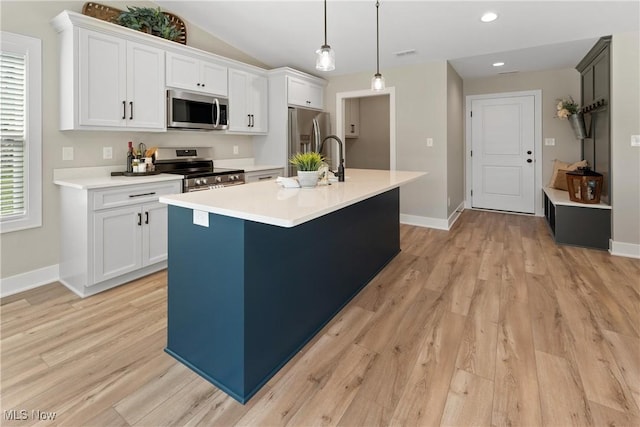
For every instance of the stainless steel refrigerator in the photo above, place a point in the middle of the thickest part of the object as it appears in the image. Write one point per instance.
(307, 129)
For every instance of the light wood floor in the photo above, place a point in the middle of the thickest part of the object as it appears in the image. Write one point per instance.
(488, 324)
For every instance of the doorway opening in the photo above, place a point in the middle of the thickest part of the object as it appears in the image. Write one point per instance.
(365, 121)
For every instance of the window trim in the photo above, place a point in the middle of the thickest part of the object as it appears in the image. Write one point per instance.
(32, 47)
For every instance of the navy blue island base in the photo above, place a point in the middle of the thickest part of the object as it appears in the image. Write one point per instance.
(245, 297)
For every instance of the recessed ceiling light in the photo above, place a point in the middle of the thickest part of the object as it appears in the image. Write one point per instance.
(489, 17)
(498, 64)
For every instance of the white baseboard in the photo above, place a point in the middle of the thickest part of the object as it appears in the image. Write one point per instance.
(29, 280)
(424, 221)
(455, 215)
(629, 250)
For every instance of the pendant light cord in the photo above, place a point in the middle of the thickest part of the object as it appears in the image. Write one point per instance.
(377, 38)
(325, 22)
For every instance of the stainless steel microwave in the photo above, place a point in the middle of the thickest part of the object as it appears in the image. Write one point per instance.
(189, 110)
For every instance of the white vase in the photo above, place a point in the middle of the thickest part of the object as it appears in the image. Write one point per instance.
(308, 178)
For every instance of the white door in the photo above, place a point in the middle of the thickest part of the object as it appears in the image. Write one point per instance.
(155, 220)
(117, 237)
(239, 118)
(183, 72)
(213, 78)
(502, 140)
(258, 102)
(145, 87)
(102, 62)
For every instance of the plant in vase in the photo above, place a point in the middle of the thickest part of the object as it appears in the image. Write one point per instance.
(568, 109)
(307, 165)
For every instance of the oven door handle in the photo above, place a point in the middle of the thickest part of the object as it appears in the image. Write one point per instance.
(217, 112)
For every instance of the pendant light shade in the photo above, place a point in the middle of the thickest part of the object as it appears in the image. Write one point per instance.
(377, 82)
(325, 56)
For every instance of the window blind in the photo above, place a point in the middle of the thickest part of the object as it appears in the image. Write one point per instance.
(12, 134)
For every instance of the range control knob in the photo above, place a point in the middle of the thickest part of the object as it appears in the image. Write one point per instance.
(232, 178)
(218, 179)
(198, 182)
(204, 180)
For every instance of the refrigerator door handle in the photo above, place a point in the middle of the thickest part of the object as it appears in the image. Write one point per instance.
(316, 135)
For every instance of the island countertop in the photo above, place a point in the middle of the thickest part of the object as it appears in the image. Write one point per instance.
(268, 203)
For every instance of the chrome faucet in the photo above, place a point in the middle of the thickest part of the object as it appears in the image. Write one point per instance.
(340, 173)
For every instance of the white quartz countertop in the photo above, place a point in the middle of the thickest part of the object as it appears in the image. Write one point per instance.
(100, 177)
(266, 202)
(258, 168)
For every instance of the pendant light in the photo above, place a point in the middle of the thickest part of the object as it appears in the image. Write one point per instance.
(377, 82)
(325, 56)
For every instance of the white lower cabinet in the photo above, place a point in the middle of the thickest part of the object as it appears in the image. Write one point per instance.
(114, 235)
(263, 175)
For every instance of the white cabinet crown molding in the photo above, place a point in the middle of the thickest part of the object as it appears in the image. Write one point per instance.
(67, 19)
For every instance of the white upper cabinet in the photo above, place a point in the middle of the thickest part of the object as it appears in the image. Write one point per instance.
(304, 93)
(120, 85)
(194, 74)
(247, 102)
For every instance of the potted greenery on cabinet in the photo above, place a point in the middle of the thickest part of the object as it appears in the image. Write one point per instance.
(149, 20)
(307, 165)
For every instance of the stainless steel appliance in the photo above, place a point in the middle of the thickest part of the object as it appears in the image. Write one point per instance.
(198, 172)
(307, 129)
(194, 111)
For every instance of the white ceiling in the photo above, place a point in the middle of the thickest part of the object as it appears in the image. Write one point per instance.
(527, 36)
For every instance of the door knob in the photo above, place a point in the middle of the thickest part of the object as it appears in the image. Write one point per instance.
(529, 152)
(529, 160)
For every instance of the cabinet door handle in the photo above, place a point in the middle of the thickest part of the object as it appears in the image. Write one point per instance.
(142, 194)
(253, 121)
(146, 217)
(131, 110)
(249, 120)
(139, 218)
(353, 130)
(264, 177)
(198, 84)
(124, 110)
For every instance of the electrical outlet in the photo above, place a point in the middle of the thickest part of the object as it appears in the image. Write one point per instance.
(635, 140)
(67, 153)
(235, 149)
(201, 218)
(429, 142)
(549, 141)
(107, 153)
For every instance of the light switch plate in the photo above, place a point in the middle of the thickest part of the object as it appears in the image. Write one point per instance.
(67, 153)
(549, 141)
(429, 142)
(201, 218)
(107, 153)
(635, 140)
(235, 149)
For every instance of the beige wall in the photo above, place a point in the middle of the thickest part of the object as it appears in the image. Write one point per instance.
(371, 149)
(420, 113)
(455, 140)
(28, 250)
(554, 84)
(625, 121)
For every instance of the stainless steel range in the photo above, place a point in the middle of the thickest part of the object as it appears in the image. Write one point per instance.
(198, 172)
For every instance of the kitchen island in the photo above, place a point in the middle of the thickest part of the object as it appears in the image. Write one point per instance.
(255, 271)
